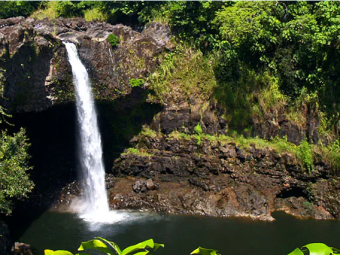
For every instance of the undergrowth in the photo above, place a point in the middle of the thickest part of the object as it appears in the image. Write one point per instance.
(135, 151)
(94, 15)
(50, 11)
(255, 94)
(185, 71)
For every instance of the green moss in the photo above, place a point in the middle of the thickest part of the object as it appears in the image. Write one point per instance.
(135, 151)
(146, 131)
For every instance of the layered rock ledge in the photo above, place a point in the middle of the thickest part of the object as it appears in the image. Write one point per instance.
(180, 176)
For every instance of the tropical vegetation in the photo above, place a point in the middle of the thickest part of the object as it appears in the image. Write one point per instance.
(14, 179)
(102, 245)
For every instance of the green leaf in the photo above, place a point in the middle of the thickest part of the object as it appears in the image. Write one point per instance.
(143, 245)
(141, 253)
(157, 245)
(95, 245)
(113, 245)
(318, 249)
(297, 251)
(335, 250)
(58, 252)
(205, 251)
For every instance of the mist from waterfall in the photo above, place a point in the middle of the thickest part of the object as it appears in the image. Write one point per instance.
(94, 206)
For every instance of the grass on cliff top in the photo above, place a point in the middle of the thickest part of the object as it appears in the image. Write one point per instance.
(183, 71)
(50, 11)
(303, 152)
(136, 151)
(94, 15)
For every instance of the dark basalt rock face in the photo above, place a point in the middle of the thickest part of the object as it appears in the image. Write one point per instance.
(221, 179)
(34, 71)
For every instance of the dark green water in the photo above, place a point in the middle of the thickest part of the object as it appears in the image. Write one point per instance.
(182, 234)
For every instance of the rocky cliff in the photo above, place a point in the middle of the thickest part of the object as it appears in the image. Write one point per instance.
(221, 178)
(162, 172)
(35, 73)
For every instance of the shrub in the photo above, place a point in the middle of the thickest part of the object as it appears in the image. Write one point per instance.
(136, 82)
(16, 8)
(94, 14)
(305, 154)
(113, 40)
(330, 153)
(198, 129)
(49, 12)
(199, 133)
(14, 180)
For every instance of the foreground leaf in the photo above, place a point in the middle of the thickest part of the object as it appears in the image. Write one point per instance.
(94, 245)
(143, 245)
(113, 245)
(318, 249)
(141, 253)
(158, 245)
(297, 251)
(58, 252)
(204, 251)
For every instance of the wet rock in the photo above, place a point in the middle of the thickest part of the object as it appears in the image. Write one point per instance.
(151, 185)
(22, 249)
(140, 186)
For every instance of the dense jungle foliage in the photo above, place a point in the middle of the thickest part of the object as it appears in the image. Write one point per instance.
(254, 45)
(14, 179)
(252, 58)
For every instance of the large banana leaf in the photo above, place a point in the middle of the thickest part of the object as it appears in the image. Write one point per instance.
(204, 251)
(111, 244)
(94, 245)
(147, 244)
(318, 249)
(58, 252)
(297, 251)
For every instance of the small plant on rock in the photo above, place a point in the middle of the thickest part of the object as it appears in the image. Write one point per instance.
(136, 82)
(199, 132)
(113, 40)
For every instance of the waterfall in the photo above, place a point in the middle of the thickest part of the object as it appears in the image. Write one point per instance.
(95, 205)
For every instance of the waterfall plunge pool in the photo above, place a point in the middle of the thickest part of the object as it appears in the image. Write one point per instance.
(182, 234)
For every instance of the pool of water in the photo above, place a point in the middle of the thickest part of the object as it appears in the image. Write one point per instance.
(182, 234)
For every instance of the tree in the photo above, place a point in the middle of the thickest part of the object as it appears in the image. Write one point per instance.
(14, 180)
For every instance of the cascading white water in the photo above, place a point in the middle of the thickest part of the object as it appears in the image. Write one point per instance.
(95, 206)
